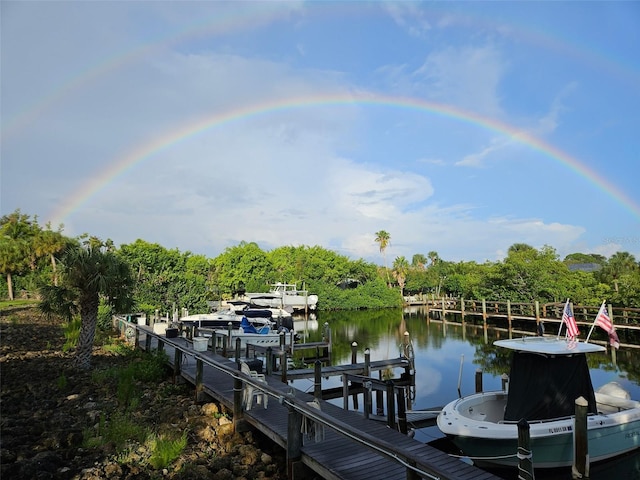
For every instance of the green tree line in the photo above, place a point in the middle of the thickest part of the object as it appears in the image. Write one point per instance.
(164, 279)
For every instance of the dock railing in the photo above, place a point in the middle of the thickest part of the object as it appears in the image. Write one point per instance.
(298, 409)
(623, 317)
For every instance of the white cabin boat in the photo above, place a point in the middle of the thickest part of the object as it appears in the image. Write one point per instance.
(284, 295)
(222, 318)
(547, 375)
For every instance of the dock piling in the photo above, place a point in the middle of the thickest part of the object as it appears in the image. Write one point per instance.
(391, 408)
(525, 463)
(580, 467)
(367, 385)
(199, 390)
(402, 411)
(317, 380)
(238, 350)
(294, 441)
(479, 380)
(283, 366)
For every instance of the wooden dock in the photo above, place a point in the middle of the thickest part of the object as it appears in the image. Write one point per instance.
(339, 444)
(625, 319)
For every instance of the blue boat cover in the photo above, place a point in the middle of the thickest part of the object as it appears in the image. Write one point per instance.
(246, 326)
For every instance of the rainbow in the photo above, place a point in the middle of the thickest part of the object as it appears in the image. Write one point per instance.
(222, 23)
(143, 152)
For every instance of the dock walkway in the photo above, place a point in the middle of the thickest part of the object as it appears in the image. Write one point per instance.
(350, 447)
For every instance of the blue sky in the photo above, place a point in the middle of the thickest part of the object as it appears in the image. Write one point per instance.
(527, 129)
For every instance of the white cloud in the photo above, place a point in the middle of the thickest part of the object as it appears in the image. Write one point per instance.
(465, 76)
(549, 123)
(409, 16)
(478, 159)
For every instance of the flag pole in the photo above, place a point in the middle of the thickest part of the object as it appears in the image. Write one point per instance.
(594, 322)
(562, 321)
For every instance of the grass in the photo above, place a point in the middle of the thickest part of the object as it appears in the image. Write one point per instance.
(166, 450)
(140, 367)
(118, 430)
(9, 304)
(71, 334)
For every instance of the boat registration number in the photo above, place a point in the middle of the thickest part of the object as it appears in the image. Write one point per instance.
(560, 429)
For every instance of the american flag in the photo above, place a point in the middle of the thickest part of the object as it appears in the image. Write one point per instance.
(570, 321)
(604, 322)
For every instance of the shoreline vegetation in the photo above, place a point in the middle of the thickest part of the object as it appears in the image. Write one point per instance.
(124, 418)
(34, 258)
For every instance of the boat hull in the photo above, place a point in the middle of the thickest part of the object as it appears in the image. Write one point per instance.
(296, 302)
(272, 339)
(285, 296)
(221, 320)
(551, 441)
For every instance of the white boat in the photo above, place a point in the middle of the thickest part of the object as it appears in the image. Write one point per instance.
(547, 375)
(241, 306)
(222, 318)
(283, 295)
(264, 336)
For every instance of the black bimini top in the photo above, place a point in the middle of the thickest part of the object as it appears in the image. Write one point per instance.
(547, 376)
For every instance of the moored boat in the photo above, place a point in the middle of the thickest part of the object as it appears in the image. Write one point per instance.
(284, 295)
(222, 318)
(264, 336)
(547, 375)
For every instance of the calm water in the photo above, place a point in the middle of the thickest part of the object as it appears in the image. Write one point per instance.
(441, 347)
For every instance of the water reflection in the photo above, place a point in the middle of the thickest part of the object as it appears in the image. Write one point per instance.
(441, 347)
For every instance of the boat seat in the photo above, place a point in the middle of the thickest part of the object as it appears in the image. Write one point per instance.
(251, 392)
(611, 404)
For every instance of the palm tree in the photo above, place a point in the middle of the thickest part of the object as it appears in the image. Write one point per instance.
(47, 242)
(90, 272)
(618, 264)
(419, 261)
(400, 269)
(15, 235)
(433, 257)
(12, 261)
(382, 239)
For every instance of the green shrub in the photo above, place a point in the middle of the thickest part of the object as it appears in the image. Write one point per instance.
(119, 430)
(71, 334)
(127, 391)
(149, 367)
(166, 450)
(105, 313)
(117, 347)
